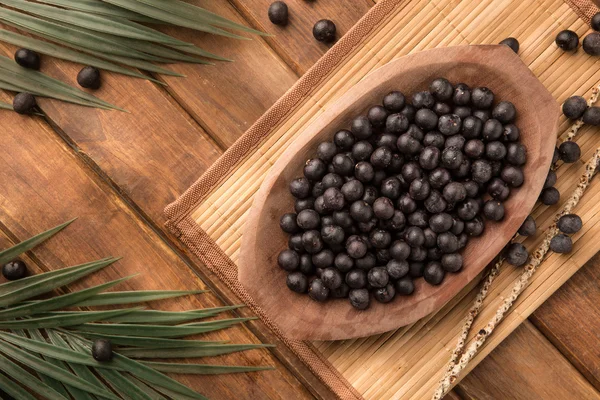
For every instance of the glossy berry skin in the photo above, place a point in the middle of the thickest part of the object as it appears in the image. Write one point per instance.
(591, 116)
(528, 227)
(433, 273)
(561, 243)
(574, 107)
(512, 43)
(359, 298)
(516, 254)
(550, 196)
(591, 44)
(297, 282)
(102, 350)
(89, 78)
(24, 103)
(318, 291)
(324, 31)
(569, 223)
(595, 23)
(278, 13)
(569, 152)
(567, 40)
(28, 59)
(14, 270)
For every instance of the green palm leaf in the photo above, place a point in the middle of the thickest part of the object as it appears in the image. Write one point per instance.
(148, 342)
(205, 351)
(53, 383)
(56, 302)
(5, 106)
(159, 331)
(81, 371)
(70, 34)
(174, 19)
(145, 373)
(67, 54)
(36, 385)
(141, 296)
(15, 251)
(62, 320)
(202, 369)
(93, 22)
(17, 291)
(101, 8)
(13, 389)
(198, 14)
(56, 348)
(46, 368)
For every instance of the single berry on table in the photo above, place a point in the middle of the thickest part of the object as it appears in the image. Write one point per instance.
(567, 40)
(595, 22)
(516, 254)
(89, 78)
(561, 243)
(591, 116)
(324, 31)
(569, 223)
(24, 103)
(278, 13)
(569, 151)
(550, 196)
(528, 227)
(591, 44)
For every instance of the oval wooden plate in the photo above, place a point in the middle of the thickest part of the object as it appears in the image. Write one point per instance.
(299, 317)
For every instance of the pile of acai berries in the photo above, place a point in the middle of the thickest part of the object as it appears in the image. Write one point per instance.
(398, 195)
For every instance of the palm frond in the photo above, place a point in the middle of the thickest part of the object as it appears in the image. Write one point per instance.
(107, 34)
(56, 345)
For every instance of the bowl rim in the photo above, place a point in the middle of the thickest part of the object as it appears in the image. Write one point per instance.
(291, 325)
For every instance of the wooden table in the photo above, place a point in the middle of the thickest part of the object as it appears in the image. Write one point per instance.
(117, 171)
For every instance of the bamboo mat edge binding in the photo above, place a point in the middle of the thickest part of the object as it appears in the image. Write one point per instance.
(178, 213)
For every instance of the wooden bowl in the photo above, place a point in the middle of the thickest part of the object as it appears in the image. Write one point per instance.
(299, 317)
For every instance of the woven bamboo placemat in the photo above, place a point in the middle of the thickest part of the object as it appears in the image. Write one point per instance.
(408, 362)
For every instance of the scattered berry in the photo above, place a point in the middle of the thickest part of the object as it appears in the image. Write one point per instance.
(567, 40)
(24, 103)
(102, 350)
(569, 223)
(27, 59)
(89, 78)
(324, 31)
(561, 243)
(574, 107)
(14, 270)
(516, 254)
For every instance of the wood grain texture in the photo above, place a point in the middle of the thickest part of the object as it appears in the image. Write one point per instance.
(42, 183)
(496, 67)
(150, 154)
(570, 319)
(526, 366)
(227, 98)
(294, 42)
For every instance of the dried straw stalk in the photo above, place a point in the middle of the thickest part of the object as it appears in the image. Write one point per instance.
(460, 358)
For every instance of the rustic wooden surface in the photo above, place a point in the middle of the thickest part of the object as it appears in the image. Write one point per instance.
(117, 172)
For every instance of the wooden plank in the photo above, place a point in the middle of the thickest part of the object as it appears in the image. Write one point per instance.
(151, 154)
(227, 98)
(42, 183)
(294, 42)
(525, 366)
(570, 319)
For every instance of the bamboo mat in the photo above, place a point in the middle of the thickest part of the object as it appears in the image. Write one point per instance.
(408, 362)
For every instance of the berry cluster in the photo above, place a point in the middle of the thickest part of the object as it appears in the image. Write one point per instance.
(397, 196)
